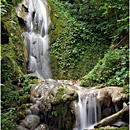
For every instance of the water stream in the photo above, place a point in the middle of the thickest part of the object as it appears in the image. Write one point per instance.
(88, 111)
(37, 39)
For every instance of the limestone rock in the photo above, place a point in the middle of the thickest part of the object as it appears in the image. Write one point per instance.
(34, 109)
(39, 91)
(28, 112)
(20, 10)
(57, 107)
(108, 128)
(119, 124)
(110, 94)
(56, 96)
(42, 127)
(31, 121)
(21, 128)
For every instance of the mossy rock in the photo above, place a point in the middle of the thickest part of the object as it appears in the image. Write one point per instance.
(34, 81)
(20, 116)
(62, 117)
(24, 99)
(59, 95)
(114, 128)
(63, 95)
(58, 106)
(23, 107)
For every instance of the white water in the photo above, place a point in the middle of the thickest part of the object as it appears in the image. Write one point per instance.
(37, 44)
(88, 111)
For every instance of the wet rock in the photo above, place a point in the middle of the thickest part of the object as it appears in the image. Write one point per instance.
(110, 94)
(21, 128)
(56, 96)
(42, 127)
(35, 50)
(20, 10)
(20, 115)
(119, 124)
(35, 110)
(31, 121)
(39, 91)
(57, 104)
(108, 128)
(28, 112)
(108, 111)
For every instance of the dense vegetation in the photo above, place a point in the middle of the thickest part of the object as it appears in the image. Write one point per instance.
(82, 31)
(12, 53)
(81, 34)
(112, 70)
(15, 87)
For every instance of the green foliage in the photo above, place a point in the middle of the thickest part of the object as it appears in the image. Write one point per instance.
(126, 89)
(119, 22)
(82, 31)
(62, 115)
(14, 94)
(59, 95)
(7, 119)
(112, 70)
(74, 47)
(17, 93)
(12, 54)
(54, 113)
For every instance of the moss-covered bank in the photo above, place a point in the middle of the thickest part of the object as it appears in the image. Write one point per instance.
(15, 85)
(12, 53)
(112, 70)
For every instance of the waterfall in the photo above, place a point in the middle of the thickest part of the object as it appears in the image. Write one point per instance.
(88, 111)
(37, 25)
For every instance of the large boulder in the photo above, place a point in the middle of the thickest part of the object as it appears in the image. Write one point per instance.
(30, 122)
(34, 109)
(112, 93)
(56, 96)
(107, 95)
(57, 107)
(38, 91)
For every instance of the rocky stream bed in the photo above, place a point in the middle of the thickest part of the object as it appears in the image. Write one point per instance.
(52, 105)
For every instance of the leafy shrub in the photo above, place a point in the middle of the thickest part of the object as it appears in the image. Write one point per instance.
(112, 70)
(14, 94)
(12, 54)
(8, 122)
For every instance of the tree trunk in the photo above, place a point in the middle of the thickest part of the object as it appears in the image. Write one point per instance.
(113, 118)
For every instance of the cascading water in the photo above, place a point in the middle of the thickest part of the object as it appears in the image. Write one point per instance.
(37, 44)
(88, 111)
